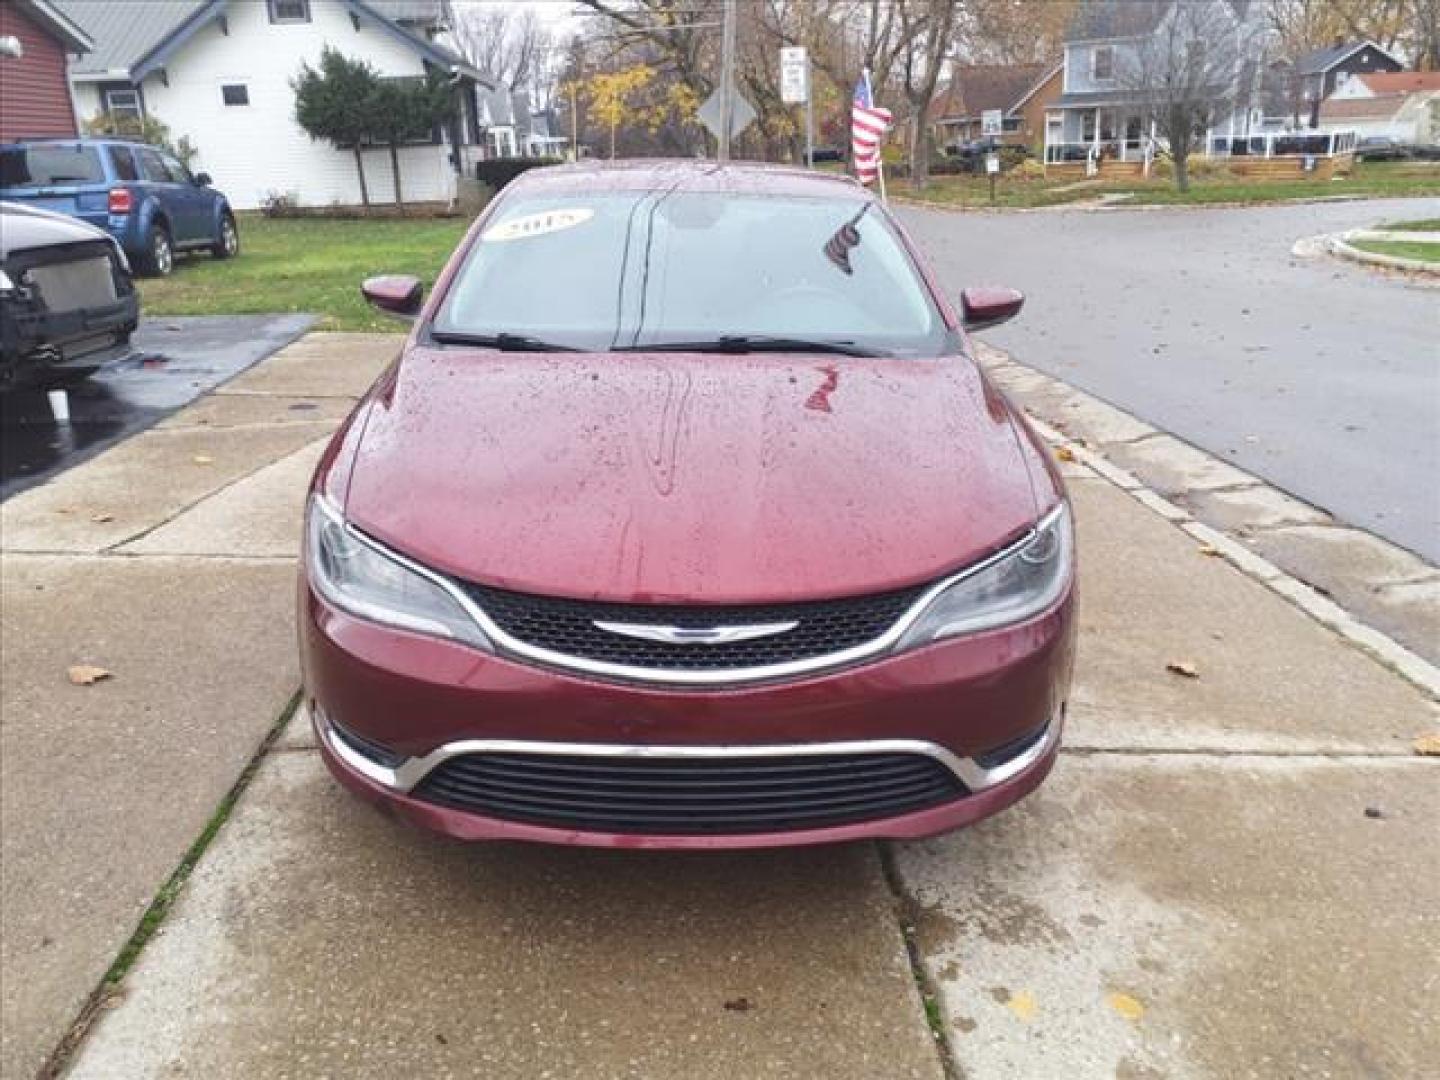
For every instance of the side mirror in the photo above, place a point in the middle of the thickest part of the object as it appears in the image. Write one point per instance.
(989, 306)
(202, 179)
(396, 295)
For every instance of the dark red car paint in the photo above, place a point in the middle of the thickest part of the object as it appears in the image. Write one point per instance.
(687, 478)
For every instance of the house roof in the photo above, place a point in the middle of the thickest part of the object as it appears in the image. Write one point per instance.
(976, 88)
(123, 32)
(1045, 77)
(1371, 108)
(1100, 19)
(132, 40)
(57, 24)
(416, 12)
(1096, 19)
(1322, 60)
(1400, 82)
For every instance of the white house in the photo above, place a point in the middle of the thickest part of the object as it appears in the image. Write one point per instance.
(219, 72)
(1099, 122)
(1403, 106)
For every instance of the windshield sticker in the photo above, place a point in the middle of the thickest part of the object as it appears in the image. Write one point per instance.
(522, 228)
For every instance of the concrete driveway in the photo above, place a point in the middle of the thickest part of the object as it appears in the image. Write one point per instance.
(1321, 376)
(174, 360)
(1232, 874)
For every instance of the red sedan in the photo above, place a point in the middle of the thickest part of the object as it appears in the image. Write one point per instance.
(686, 519)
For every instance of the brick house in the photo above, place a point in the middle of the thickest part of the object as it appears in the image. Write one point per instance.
(1019, 92)
(34, 91)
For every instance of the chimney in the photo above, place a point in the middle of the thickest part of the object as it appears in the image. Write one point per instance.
(1339, 40)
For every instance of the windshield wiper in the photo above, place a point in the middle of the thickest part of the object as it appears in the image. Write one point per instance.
(757, 343)
(503, 342)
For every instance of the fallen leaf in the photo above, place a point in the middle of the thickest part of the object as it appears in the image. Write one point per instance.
(740, 1004)
(1064, 453)
(87, 674)
(1428, 745)
(1209, 549)
(1126, 1006)
(1022, 1004)
(101, 519)
(203, 459)
(1186, 668)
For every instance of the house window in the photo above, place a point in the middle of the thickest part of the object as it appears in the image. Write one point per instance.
(123, 103)
(289, 11)
(1341, 78)
(1102, 63)
(235, 94)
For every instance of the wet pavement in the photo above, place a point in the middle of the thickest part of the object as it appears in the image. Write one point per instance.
(1319, 376)
(174, 361)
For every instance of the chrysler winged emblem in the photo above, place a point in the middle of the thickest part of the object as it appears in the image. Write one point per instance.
(696, 635)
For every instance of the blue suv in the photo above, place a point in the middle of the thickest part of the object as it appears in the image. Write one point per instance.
(139, 194)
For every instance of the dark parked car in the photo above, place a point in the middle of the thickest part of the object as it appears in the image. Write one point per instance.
(144, 197)
(686, 518)
(67, 303)
(1380, 148)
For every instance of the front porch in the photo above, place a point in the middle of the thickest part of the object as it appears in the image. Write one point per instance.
(1112, 142)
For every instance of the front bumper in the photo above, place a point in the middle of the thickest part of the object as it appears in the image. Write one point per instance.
(427, 702)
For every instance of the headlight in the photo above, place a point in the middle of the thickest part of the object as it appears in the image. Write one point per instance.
(359, 576)
(1016, 585)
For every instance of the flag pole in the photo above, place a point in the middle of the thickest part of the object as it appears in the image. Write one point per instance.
(879, 150)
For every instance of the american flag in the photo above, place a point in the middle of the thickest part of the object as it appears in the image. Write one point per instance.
(868, 125)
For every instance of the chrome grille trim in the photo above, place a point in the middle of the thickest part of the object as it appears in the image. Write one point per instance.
(409, 773)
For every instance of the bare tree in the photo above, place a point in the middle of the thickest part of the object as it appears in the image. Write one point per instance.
(1186, 73)
(506, 41)
(926, 28)
(1012, 31)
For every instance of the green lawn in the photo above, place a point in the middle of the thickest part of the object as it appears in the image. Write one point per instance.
(305, 264)
(1427, 225)
(1404, 249)
(1376, 179)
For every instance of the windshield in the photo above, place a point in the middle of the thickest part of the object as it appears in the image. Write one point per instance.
(50, 166)
(651, 268)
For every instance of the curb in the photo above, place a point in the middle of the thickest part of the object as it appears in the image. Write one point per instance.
(1338, 244)
(1416, 670)
(1092, 205)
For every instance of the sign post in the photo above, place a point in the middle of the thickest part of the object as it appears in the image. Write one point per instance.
(795, 90)
(992, 170)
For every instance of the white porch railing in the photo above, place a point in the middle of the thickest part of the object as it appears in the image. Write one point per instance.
(1287, 144)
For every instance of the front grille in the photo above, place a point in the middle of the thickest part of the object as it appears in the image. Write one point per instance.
(689, 797)
(568, 627)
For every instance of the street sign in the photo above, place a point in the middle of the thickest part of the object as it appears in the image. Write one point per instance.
(742, 114)
(992, 163)
(794, 76)
(992, 122)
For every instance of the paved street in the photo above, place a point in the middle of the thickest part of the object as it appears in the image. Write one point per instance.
(1228, 875)
(1320, 376)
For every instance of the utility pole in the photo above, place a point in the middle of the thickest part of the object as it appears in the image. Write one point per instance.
(727, 80)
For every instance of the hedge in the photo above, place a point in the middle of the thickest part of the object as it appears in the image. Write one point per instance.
(497, 172)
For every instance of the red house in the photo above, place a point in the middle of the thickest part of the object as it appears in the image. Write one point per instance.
(35, 37)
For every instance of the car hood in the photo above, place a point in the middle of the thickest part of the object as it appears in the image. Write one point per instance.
(25, 227)
(684, 478)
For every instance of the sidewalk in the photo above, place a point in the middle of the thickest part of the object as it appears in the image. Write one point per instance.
(1197, 891)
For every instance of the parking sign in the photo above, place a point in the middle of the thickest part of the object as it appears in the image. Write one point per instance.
(794, 76)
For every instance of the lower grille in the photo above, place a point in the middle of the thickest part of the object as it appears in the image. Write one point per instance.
(689, 797)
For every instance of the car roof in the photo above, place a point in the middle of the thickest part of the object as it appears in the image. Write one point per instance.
(95, 140)
(736, 177)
